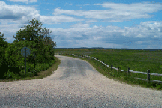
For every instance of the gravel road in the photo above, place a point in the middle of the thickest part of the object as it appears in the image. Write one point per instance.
(76, 84)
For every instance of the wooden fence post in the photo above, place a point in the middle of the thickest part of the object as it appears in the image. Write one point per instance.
(111, 67)
(148, 75)
(128, 72)
(118, 69)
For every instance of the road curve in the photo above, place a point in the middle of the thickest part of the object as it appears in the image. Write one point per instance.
(76, 84)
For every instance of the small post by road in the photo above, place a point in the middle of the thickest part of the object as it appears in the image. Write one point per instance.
(118, 69)
(111, 67)
(25, 52)
(148, 75)
(128, 72)
(25, 60)
(34, 60)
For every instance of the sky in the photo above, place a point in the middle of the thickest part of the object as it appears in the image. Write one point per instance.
(131, 24)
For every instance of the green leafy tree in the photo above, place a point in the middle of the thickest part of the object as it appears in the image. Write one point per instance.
(41, 44)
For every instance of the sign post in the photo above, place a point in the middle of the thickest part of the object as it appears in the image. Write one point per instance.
(25, 52)
(34, 60)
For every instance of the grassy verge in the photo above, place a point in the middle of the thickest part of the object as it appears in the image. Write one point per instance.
(40, 75)
(121, 77)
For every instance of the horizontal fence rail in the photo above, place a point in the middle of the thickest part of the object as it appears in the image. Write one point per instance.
(128, 70)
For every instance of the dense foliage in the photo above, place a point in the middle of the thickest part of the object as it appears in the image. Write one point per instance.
(3, 46)
(35, 38)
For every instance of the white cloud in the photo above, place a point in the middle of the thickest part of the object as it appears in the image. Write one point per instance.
(139, 35)
(17, 13)
(26, 1)
(155, 36)
(95, 26)
(139, 42)
(21, 14)
(115, 12)
(80, 25)
(140, 8)
(57, 19)
(33, 1)
(151, 24)
(18, 0)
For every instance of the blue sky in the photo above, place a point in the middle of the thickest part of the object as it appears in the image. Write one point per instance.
(132, 24)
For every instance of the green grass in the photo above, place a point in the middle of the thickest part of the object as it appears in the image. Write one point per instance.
(44, 72)
(136, 60)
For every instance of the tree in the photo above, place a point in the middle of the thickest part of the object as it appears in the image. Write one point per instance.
(30, 32)
(40, 42)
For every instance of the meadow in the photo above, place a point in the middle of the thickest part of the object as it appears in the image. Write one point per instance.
(136, 60)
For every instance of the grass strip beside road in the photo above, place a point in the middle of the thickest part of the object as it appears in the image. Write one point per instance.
(40, 75)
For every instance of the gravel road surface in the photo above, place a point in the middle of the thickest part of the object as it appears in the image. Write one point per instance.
(76, 84)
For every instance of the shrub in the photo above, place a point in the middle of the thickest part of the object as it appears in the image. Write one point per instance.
(11, 75)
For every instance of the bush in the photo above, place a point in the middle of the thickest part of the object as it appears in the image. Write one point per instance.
(50, 64)
(44, 67)
(3, 69)
(30, 74)
(11, 75)
(47, 66)
(38, 68)
(34, 72)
